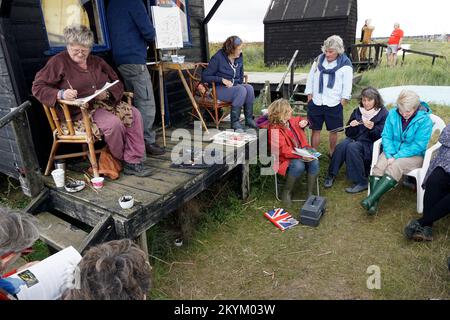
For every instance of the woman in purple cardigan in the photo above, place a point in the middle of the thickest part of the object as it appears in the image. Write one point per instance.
(436, 201)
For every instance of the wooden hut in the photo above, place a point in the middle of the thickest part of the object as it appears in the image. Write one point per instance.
(304, 25)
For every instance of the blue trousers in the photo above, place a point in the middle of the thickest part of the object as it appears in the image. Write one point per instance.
(239, 95)
(297, 167)
(352, 153)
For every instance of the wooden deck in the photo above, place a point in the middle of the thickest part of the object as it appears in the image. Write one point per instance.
(155, 196)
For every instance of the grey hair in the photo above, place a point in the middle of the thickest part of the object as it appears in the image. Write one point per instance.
(396, 24)
(114, 270)
(408, 101)
(79, 34)
(334, 42)
(18, 231)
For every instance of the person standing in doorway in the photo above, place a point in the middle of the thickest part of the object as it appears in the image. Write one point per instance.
(366, 38)
(394, 44)
(130, 30)
(329, 88)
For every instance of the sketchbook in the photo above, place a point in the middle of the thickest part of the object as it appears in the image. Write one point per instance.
(231, 138)
(307, 152)
(92, 96)
(46, 279)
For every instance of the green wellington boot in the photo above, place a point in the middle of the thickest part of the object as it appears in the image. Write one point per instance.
(287, 190)
(385, 184)
(311, 184)
(373, 181)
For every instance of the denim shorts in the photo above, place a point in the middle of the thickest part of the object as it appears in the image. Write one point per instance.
(332, 116)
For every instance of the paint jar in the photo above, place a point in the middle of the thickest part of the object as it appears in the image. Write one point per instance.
(97, 183)
(126, 202)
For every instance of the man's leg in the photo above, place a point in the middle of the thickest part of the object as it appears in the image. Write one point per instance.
(334, 118)
(137, 79)
(315, 139)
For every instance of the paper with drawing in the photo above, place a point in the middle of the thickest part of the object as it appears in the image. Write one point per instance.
(92, 96)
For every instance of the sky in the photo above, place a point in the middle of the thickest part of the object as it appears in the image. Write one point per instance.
(416, 17)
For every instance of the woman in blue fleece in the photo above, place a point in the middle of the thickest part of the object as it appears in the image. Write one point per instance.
(226, 70)
(405, 137)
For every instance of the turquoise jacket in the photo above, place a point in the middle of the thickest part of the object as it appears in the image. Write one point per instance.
(411, 142)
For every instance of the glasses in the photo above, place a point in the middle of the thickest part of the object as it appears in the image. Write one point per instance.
(84, 52)
(22, 253)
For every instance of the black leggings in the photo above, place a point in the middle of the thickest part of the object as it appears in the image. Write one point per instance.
(436, 200)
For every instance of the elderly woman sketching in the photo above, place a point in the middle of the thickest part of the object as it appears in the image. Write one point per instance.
(436, 201)
(75, 73)
(329, 87)
(226, 69)
(405, 137)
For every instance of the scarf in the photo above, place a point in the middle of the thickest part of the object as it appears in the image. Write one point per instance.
(368, 114)
(342, 61)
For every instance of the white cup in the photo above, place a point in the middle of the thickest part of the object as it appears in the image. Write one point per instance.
(58, 177)
(126, 202)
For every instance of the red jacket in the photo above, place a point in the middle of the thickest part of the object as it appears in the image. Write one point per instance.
(285, 142)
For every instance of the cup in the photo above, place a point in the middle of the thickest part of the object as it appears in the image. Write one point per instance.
(174, 58)
(126, 202)
(60, 164)
(97, 183)
(58, 177)
(180, 59)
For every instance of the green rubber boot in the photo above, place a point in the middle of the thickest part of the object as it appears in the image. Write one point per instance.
(311, 184)
(286, 195)
(385, 184)
(373, 181)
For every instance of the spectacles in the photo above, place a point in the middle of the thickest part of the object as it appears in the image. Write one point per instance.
(84, 52)
(22, 253)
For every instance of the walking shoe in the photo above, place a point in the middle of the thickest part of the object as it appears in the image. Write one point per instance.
(357, 187)
(136, 169)
(329, 180)
(411, 228)
(251, 123)
(423, 234)
(154, 149)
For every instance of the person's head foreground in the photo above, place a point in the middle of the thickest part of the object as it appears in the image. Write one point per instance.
(115, 270)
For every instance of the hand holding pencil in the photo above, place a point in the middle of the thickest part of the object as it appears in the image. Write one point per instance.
(70, 94)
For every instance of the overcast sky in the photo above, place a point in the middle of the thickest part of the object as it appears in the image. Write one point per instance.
(416, 17)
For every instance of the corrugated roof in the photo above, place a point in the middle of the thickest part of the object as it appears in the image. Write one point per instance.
(282, 10)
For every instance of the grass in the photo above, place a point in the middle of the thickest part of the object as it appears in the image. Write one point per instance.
(231, 251)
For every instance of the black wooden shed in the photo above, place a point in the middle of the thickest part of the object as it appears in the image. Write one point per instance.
(25, 48)
(304, 25)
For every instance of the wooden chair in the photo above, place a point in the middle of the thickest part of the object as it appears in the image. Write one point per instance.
(206, 96)
(67, 134)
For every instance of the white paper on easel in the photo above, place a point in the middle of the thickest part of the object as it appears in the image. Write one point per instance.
(46, 279)
(167, 23)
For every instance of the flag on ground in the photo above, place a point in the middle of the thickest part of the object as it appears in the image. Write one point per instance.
(281, 218)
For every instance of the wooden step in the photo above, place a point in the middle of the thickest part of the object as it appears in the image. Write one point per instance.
(58, 233)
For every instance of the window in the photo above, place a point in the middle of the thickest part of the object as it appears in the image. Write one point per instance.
(58, 14)
(184, 16)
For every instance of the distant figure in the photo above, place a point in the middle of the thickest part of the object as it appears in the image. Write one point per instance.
(18, 232)
(366, 124)
(366, 38)
(394, 44)
(329, 88)
(114, 270)
(226, 69)
(436, 200)
(405, 137)
(286, 133)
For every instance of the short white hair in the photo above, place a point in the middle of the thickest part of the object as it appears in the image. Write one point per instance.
(408, 101)
(335, 43)
(79, 34)
(397, 25)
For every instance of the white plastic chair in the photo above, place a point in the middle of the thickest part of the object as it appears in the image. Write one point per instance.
(419, 173)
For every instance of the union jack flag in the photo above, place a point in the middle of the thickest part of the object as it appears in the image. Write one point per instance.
(281, 218)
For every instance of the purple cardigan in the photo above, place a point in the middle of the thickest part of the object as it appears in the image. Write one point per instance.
(442, 158)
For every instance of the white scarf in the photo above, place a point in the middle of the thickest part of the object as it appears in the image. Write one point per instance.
(368, 114)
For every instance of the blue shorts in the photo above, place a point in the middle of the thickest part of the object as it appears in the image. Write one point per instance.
(333, 116)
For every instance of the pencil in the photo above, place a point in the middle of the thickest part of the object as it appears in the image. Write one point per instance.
(69, 85)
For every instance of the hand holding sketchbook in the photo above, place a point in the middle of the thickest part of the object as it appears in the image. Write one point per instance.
(307, 153)
(45, 280)
(92, 96)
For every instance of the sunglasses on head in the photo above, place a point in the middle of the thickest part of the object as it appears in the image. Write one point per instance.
(23, 253)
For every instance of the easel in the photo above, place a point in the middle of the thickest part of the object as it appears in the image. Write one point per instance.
(165, 66)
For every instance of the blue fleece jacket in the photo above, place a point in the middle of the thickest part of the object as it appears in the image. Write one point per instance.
(413, 140)
(220, 67)
(130, 29)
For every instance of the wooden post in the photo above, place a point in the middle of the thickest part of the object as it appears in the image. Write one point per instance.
(267, 94)
(142, 242)
(161, 100)
(244, 170)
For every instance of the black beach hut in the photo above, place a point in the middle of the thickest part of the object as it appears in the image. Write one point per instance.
(304, 25)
